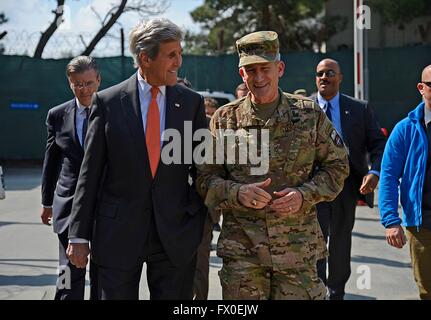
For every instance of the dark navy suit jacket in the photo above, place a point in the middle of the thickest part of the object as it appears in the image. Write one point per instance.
(117, 219)
(362, 135)
(63, 158)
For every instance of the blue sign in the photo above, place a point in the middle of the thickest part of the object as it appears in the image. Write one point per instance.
(24, 105)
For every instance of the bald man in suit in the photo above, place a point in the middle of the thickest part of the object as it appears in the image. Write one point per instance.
(355, 121)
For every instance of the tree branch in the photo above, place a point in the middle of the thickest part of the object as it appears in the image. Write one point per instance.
(143, 8)
(97, 15)
(58, 19)
(105, 28)
(82, 40)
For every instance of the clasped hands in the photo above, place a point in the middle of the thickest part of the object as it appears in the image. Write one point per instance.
(289, 200)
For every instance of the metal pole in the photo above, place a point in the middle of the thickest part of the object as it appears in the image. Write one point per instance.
(358, 51)
(366, 74)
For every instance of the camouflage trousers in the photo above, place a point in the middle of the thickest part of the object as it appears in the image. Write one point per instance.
(242, 280)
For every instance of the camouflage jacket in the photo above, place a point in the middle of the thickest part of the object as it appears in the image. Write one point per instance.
(306, 153)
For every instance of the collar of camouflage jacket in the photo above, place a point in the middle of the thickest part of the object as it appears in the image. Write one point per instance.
(249, 117)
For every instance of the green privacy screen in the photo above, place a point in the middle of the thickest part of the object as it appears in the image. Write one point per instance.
(30, 87)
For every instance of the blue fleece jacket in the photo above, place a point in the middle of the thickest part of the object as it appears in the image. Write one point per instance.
(404, 159)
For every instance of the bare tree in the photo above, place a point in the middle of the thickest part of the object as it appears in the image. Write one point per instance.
(143, 8)
(44, 38)
(3, 19)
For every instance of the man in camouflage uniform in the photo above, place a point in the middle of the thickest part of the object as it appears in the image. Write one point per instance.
(270, 238)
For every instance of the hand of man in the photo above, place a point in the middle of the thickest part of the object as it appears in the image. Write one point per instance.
(253, 196)
(369, 183)
(395, 236)
(46, 216)
(78, 254)
(289, 201)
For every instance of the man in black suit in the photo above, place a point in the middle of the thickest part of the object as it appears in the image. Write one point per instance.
(147, 209)
(355, 122)
(67, 125)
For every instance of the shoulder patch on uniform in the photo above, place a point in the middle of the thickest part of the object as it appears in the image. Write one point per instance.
(338, 141)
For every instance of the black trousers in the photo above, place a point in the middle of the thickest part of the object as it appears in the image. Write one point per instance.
(201, 278)
(165, 280)
(336, 220)
(71, 280)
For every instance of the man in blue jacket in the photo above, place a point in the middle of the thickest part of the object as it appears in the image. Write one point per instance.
(407, 157)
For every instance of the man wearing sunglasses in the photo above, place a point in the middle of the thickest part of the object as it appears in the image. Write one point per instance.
(407, 157)
(354, 120)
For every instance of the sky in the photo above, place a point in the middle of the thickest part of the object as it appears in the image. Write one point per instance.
(28, 18)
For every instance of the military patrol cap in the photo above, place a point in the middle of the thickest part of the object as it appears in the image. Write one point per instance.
(258, 47)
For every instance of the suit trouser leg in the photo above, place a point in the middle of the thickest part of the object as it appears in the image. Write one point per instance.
(118, 284)
(165, 281)
(201, 279)
(94, 290)
(323, 216)
(340, 244)
(71, 281)
(169, 282)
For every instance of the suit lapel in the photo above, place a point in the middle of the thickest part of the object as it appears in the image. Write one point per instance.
(173, 109)
(70, 122)
(173, 118)
(131, 107)
(345, 114)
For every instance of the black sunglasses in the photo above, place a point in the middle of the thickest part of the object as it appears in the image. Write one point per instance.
(427, 83)
(329, 73)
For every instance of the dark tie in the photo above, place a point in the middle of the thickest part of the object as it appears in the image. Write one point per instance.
(328, 111)
(85, 125)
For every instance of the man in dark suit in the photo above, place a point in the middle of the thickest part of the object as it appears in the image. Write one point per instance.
(67, 125)
(355, 122)
(147, 209)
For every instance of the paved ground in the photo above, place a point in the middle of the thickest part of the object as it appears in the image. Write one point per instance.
(29, 251)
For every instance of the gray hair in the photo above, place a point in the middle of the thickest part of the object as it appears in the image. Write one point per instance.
(147, 36)
(81, 64)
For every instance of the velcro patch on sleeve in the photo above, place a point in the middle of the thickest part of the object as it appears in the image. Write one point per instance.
(338, 141)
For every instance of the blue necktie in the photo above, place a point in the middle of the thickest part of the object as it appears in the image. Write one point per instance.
(85, 125)
(328, 111)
